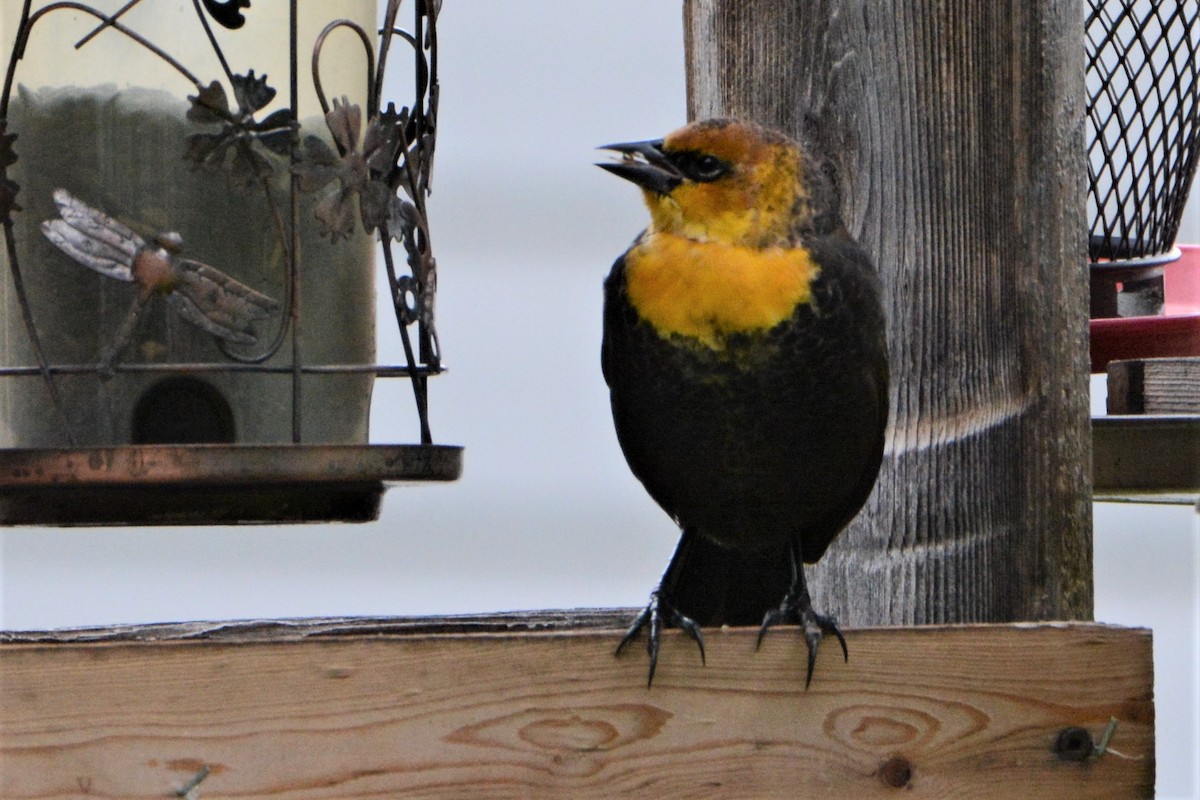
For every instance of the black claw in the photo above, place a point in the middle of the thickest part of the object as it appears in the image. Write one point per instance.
(657, 612)
(813, 641)
(841, 640)
(636, 626)
(652, 642)
(815, 627)
(796, 607)
(767, 622)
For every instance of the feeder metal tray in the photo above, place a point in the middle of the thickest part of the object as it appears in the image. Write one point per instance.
(210, 484)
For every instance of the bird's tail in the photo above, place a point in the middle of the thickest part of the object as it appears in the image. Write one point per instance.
(715, 585)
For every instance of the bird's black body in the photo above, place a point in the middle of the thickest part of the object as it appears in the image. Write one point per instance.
(774, 441)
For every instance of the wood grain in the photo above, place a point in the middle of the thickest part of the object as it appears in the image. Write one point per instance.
(346, 711)
(1154, 386)
(1146, 458)
(956, 132)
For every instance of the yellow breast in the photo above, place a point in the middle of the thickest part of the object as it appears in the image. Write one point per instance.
(709, 290)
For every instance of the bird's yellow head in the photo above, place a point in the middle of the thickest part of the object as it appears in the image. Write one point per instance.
(731, 182)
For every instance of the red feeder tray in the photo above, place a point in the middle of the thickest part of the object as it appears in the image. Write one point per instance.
(1176, 332)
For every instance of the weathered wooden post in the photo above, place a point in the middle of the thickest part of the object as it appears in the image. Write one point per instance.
(956, 131)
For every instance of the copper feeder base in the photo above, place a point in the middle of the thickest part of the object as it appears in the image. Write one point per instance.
(211, 484)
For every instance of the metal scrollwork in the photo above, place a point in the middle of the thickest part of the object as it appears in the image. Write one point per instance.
(228, 13)
(388, 168)
(379, 165)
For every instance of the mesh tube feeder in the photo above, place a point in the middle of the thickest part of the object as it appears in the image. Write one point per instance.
(195, 204)
(1142, 95)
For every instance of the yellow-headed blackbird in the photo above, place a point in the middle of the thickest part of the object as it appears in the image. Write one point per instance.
(745, 353)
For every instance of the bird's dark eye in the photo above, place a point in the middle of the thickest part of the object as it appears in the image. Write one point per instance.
(702, 167)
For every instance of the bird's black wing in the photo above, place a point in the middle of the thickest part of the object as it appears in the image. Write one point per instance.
(857, 294)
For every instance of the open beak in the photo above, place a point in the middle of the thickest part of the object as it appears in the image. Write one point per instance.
(645, 164)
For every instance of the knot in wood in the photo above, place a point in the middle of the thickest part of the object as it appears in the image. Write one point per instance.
(896, 772)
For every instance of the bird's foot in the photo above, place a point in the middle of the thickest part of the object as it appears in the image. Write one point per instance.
(797, 609)
(660, 612)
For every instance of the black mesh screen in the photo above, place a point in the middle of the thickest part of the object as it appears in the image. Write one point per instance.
(1142, 114)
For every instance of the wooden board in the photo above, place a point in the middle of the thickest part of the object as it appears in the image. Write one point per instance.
(1147, 458)
(496, 710)
(1154, 386)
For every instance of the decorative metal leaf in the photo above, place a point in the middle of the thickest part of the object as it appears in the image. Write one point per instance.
(402, 217)
(336, 215)
(8, 156)
(227, 12)
(364, 173)
(239, 130)
(8, 199)
(335, 211)
(407, 300)
(345, 123)
(210, 105)
(248, 165)
(374, 204)
(384, 139)
(207, 149)
(354, 174)
(8, 188)
(252, 93)
(276, 133)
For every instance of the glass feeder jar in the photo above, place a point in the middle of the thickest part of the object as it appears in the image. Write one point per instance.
(172, 121)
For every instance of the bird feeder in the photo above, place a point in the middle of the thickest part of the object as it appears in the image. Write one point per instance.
(1143, 104)
(196, 202)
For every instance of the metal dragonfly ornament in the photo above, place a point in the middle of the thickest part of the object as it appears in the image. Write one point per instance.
(200, 294)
